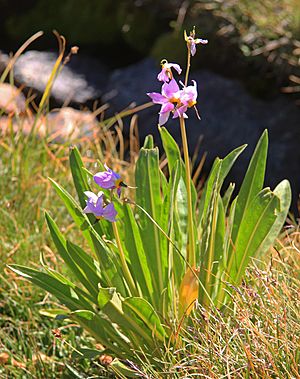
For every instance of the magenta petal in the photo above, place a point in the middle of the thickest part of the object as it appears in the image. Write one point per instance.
(110, 213)
(99, 204)
(193, 48)
(168, 107)
(203, 41)
(105, 179)
(162, 76)
(179, 112)
(176, 67)
(163, 118)
(157, 98)
(87, 209)
(170, 89)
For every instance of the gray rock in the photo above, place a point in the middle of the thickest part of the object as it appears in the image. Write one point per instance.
(12, 100)
(229, 117)
(80, 81)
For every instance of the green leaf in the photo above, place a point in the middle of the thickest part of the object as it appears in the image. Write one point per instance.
(89, 266)
(85, 352)
(171, 148)
(208, 244)
(111, 305)
(148, 196)
(227, 196)
(83, 313)
(148, 143)
(53, 312)
(146, 313)
(77, 260)
(221, 168)
(67, 294)
(252, 183)
(75, 211)
(136, 253)
(255, 226)
(80, 179)
(79, 175)
(121, 370)
(284, 193)
(174, 222)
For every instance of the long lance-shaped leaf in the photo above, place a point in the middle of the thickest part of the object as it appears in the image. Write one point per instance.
(66, 294)
(257, 222)
(219, 250)
(227, 196)
(88, 266)
(174, 222)
(171, 148)
(79, 175)
(170, 225)
(208, 243)
(74, 210)
(252, 184)
(284, 193)
(173, 155)
(87, 295)
(136, 253)
(148, 196)
(80, 179)
(218, 292)
(104, 331)
(111, 304)
(103, 254)
(109, 264)
(143, 310)
(77, 264)
(224, 165)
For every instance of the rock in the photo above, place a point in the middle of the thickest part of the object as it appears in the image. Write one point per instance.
(68, 123)
(63, 125)
(4, 59)
(229, 117)
(12, 99)
(79, 81)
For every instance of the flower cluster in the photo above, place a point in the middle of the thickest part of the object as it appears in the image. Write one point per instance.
(95, 203)
(173, 99)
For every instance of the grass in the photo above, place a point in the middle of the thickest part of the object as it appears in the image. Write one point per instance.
(260, 339)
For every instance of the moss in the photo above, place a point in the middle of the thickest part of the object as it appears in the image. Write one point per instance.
(170, 46)
(141, 25)
(80, 21)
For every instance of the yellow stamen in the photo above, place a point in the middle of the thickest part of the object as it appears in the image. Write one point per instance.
(192, 103)
(118, 182)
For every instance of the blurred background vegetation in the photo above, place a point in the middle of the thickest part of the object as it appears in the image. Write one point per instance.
(255, 41)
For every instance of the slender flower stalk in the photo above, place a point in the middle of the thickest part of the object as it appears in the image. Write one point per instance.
(188, 66)
(191, 252)
(125, 268)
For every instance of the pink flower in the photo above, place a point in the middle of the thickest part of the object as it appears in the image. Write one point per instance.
(94, 205)
(174, 100)
(109, 180)
(192, 41)
(166, 73)
(170, 95)
(188, 98)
